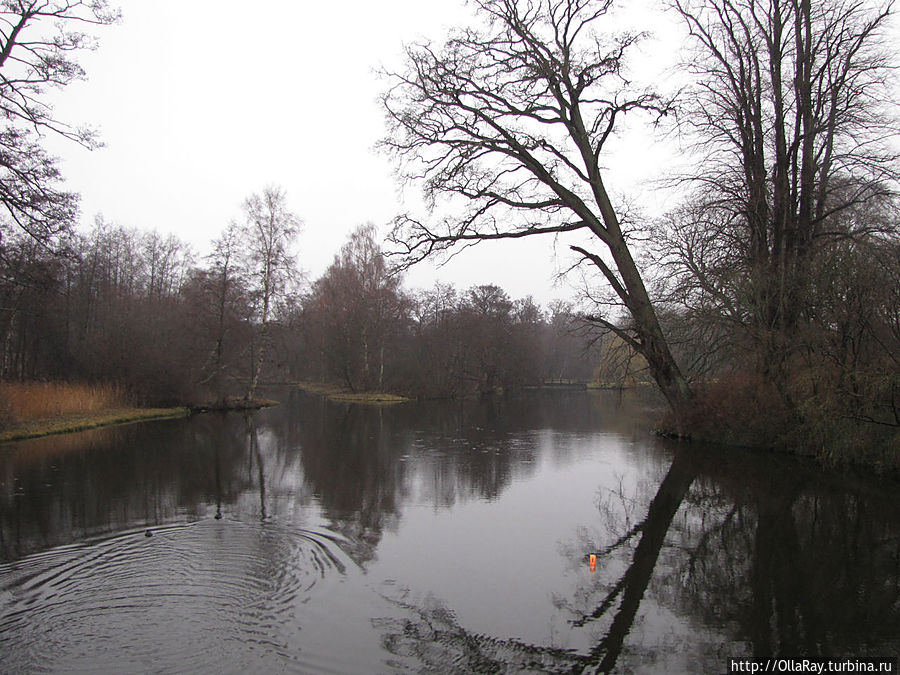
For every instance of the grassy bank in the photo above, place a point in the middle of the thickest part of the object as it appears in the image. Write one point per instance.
(62, 424)
(34, 409)
(343, 395)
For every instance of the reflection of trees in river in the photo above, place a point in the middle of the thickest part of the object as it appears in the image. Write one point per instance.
(434, 641)
(540, 409)
(760, 549)
(627, 593)
(349, 466)
(767, 553)
(363, 462)
(432, 635)
(816, 566)
(359, 463)
(65, 488)
(466, 450)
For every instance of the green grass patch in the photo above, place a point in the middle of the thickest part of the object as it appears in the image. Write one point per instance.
(69, 422)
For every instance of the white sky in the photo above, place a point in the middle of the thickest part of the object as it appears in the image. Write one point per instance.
(201, 103)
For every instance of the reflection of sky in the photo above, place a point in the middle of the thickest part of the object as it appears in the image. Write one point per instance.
(497, 563)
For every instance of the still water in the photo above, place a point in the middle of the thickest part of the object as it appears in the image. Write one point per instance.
(435, 537)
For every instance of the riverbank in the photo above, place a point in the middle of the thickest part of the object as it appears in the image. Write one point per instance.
(70, 422)
(340, 394)
(731, 413)
(234, 404)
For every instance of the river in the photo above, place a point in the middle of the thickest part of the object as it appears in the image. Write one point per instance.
(433, 537)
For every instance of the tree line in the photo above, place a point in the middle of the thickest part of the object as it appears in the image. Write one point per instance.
(143, 310)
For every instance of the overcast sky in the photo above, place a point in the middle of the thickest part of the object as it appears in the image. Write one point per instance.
(201, 103)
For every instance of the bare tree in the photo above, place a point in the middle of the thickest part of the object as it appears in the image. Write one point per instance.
(486, 314)
(794, 133)
(220, 302)
(381, 301)
(360, 308)
(269, 232)
(37, 41)
(440, 351)
(512, 120)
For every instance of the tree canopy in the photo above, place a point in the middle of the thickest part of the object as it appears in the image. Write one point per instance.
(38, 43)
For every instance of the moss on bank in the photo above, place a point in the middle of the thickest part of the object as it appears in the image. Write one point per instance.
(342, 395)
(62, 424)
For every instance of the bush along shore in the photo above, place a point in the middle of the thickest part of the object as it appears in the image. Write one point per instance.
(747, 412)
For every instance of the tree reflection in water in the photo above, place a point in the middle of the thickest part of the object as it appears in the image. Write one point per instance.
(789, 558)
(771, 554)
(65, 488)
(254, 453)
(767, 555)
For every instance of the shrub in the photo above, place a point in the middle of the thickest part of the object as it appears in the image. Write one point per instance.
(738, 409)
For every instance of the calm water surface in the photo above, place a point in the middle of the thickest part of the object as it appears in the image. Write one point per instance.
(317, 537)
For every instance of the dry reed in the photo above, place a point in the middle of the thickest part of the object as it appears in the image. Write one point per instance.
(24, 401)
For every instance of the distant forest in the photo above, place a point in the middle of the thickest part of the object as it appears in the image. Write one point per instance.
(140, 309)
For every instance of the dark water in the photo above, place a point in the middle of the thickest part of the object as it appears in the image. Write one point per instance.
(432, 538)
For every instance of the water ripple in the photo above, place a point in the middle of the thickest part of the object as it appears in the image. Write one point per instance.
(198, 597)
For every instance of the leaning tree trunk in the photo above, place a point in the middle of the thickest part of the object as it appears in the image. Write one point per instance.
(652, 343)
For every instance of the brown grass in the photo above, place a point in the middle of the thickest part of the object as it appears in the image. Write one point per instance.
(22, 402)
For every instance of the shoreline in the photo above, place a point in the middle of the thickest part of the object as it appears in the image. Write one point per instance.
(339, 394)
(73, 422)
